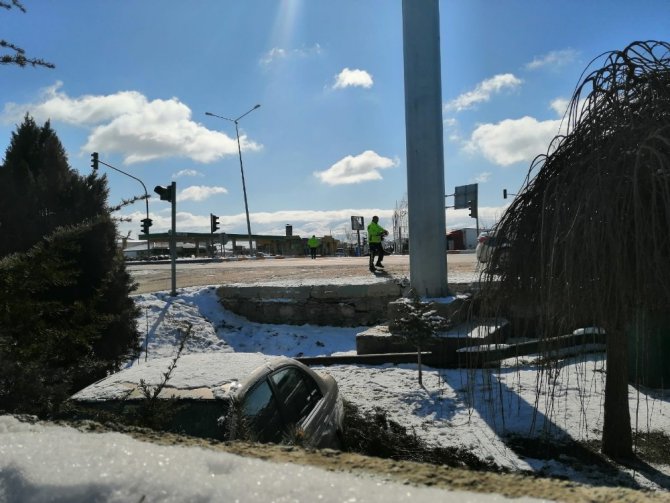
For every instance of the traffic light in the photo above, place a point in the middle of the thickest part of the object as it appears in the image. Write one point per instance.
(214, 221)
(472, 206)
(146, 223)
(94, 160)
(165, 193)
(504, 193)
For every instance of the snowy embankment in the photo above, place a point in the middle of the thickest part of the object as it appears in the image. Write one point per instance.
(465, 408)
(457, 407)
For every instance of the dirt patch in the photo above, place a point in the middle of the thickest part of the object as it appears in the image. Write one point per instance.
(153, 278)
(419, 474)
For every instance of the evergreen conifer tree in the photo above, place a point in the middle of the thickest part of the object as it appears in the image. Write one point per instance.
(66, 317)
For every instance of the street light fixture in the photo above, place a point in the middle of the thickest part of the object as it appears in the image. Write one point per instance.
(146, 223)
(239, 150)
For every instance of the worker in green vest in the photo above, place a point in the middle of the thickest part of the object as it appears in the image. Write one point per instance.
(313, 244)
(376, 234)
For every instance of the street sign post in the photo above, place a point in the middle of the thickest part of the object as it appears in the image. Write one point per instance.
(464, 196)
(357, 224)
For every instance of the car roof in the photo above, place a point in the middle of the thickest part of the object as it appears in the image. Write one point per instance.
(196, 376)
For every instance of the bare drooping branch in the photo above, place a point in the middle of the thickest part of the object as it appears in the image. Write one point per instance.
(588, 234)
(588, 238)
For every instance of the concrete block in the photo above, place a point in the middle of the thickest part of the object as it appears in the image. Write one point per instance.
(387, 289)
(284, 311)
(334, 305)
(347, 310)
(452, 308)
(336, 292)
(444, 346)
(379, 339)
(238, 292)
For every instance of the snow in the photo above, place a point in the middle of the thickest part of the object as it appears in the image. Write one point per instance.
(41, 463)
(214, 371)
(454, 407)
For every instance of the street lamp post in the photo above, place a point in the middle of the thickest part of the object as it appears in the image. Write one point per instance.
(239, 150)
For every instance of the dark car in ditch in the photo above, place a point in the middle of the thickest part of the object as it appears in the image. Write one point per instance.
(226, 396)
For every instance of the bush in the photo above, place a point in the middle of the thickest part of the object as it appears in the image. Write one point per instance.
(374, 434)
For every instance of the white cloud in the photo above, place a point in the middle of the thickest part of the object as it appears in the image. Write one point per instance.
(304, 223)
(554, 59)
(488, 216)
(86, 110)
(200, 193)
(272, 55)
(513, 140)
(313, 216)
(451, 129)
(483, 177)
(129, 124)
(279, 53)
(484, 91)
(560, 106)
(187, 172)
(353, 78)
(356, 169)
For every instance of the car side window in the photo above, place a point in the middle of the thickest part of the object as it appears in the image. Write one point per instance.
(297, 392)
(262, 413)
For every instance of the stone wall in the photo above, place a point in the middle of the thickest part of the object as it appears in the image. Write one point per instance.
(329, 305)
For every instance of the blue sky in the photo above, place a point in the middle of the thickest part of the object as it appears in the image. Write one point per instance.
(133, 80)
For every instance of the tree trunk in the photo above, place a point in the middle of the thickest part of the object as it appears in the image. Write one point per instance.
(418, 360)
(617, 441)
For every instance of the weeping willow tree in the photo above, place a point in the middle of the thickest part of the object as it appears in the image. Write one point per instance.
(589, 233)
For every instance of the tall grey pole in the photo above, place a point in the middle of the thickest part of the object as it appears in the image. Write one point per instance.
(173, 240)
(244, 187)
(425, 150)
(239, 151)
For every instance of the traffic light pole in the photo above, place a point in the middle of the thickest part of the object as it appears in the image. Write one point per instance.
(97, 161)
(473, 206)
(173, 240)
(213, 226)
(169, 194)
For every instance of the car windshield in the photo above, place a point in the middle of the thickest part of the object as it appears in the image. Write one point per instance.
(298, 393)
(261, 414)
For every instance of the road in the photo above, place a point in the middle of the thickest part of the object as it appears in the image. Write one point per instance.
(156, 277)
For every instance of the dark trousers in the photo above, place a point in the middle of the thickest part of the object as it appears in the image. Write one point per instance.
(376, 250)
(312, 252)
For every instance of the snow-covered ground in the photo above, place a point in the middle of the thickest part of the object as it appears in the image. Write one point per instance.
(41, 463)
(461, 408)
(454, 407)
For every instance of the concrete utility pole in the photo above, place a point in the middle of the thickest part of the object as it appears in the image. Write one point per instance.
(425, 150)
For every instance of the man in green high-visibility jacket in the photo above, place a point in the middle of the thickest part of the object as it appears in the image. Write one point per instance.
(313, 244)
(375, 235)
